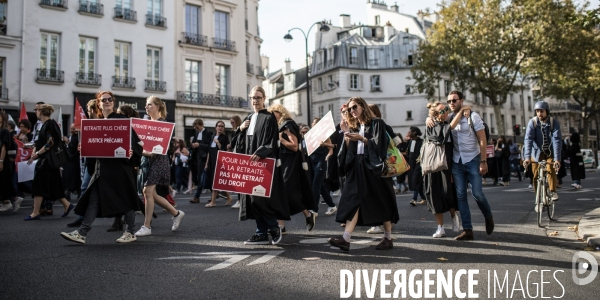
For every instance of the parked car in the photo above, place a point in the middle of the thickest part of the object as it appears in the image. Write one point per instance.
(588, 158)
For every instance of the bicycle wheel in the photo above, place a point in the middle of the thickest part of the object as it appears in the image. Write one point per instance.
(539, 202)
(549, 203)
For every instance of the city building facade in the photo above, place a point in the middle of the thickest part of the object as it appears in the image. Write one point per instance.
(288, 88)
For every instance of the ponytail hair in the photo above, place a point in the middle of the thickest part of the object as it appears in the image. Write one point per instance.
(162, 108)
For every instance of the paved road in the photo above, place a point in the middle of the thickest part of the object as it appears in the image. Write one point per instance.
(206, 259)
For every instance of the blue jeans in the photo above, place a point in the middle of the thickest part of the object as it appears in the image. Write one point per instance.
(86, 180)
(264, 225)
(319, 165)
(464, 173)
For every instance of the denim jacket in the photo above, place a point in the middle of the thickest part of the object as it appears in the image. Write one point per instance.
(534, 140)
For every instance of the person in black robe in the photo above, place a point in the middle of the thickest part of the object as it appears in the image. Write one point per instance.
(47, 182)
(112, 189)
(439, 189)
(562, 172)
(219, 143)
(367, 198)
(504, 164)
(415, 180)
(576, 157)
(338, 140)
(492, 165)
(7, 167)
(72, 172)
(259, 134)
(295, 178)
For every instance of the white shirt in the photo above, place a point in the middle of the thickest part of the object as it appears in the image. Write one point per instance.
(361, 146)
(36, 130)
(199, 138)
(466, 145)
(252, 124)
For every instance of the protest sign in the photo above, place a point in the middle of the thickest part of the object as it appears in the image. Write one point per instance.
(489, 151)
(319, 133)
(78, 115)
(23, 153)
(105, 138)
(235, 172)
(156, 135)
(26, 171)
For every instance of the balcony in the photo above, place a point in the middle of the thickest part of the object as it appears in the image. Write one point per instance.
(156, 86)
(195, 39)
(50, 76)
(3, 94)
(123, 82)
(88, 79)
(125, 14)
(249, 68)
(156, 20)
(373, 62)
(55, 4)
(224, 44)
(211, 100)
(260, 71)
(95, 9)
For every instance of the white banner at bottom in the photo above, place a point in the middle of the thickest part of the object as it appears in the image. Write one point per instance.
(26, 171)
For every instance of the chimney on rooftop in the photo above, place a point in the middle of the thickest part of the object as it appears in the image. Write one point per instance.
(395, 7)
(345, 21)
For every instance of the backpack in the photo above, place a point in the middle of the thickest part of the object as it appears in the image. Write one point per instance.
(486, 129)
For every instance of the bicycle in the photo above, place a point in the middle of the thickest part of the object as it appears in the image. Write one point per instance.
(543, 197)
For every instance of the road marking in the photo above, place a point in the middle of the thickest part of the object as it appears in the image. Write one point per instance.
(588, 199)
(234, 257)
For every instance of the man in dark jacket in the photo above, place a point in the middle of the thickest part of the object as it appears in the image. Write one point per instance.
(200, 146)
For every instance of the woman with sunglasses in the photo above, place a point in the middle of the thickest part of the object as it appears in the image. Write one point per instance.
(439, 189)
(112, 190)
(219, 143)
(367, 198)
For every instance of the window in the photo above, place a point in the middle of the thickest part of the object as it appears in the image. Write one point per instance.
(447, 87)
(193, 72)
(408, 89)
(512, 101)
(153, 64)
(321, 111)
(49, 46)
(529, 102)
(330, 107)
(503, 120)
(299, 105)
(87, 55)
(330, 82)
(126, 4)
(513, 119)
(2, 76)
(122, 51)
(320, 82)
(410, 60)
(521, 101)
(155, 7)
(222, 84)
(192, 19)
(353, 56)
(377, 20)
(375, 83)
(476, 96)
(373, 57)
(221, 25)
(330, 57)
(3, 17)
(409, 115)
(492, 123)
(356, 82)
(484, 117)
(395, 62)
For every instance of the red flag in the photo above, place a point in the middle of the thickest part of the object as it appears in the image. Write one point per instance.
(23, 115)
(23, 154)
(79, 114)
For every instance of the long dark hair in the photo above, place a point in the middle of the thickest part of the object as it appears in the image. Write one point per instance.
(128, 111)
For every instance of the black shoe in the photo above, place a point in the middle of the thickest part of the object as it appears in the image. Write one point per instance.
(489, 225)
(75, 223)
(275, 235)
(340, 243)
(310, 222)
(466, 235)
(117, 225)
(256, 239)
(385, 244)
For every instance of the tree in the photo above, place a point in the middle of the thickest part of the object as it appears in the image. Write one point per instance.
(482, 46)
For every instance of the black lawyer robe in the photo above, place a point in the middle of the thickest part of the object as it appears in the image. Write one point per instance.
(263, 143)
(116, 182)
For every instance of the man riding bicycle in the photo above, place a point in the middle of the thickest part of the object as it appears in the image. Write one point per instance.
(543, 141)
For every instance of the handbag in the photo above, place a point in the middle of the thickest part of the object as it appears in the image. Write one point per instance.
(433, 154)
(58, 155)
(395, 163)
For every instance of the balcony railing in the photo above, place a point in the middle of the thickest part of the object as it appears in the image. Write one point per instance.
(330, 63)
(61, 4)
(88, 79)
(153, 85)
(319, 66)
(211, 100)
(50, 75)
(195, 39)
(259, 71)
(224, 44)
(123, 82)
(3, 29)
(125, 14)
(156, 20)
(565, 106)
(3, 94)
(250, 68)
(373, 62)
(95, 8)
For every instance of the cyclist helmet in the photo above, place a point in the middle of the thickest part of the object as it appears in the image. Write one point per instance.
(542, 105)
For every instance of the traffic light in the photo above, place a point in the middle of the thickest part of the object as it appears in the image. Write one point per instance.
(517, 129)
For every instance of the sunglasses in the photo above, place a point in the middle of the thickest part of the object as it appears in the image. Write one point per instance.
(256, 98)
(445, 110)
(104, 100)
(354, 107)
(453, 100)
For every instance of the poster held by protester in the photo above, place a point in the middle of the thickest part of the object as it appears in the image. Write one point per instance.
(489, 151)
(235, 173)
(26, 171)
(156, 135)
(319, 133)
(78, 115)
(105, 138)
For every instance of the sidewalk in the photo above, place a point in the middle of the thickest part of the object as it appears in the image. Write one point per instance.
(589, 228)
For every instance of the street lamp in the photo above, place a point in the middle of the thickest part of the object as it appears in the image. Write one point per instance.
(288, 38)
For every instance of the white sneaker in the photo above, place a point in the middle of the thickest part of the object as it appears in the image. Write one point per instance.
(315, 213)
(375, 230)
(204, 191)
(456, 226)
(578, 186)
(440, 232)
(187, 192)
(330, 211)
(18, 202)
(574, 185)
(236, 205)
(73, 237)
(6, 207)
(177, 220)
(529, 187)
(337, 193)
(127, 238)
(554, 196)
(536, 208)
(144, 231)
(173, 193)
